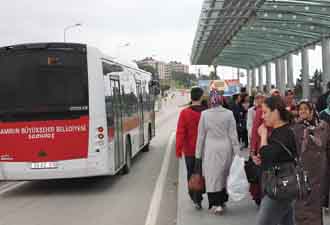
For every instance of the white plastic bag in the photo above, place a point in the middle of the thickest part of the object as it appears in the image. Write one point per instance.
(237, 183)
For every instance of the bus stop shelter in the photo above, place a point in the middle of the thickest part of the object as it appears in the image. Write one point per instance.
(251, 34)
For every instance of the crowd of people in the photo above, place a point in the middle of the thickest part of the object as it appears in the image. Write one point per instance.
(210, 132)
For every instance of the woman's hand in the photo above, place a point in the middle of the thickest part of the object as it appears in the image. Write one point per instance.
(262, 131)
(256, 159)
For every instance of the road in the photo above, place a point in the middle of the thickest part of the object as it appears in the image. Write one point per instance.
(118, 200)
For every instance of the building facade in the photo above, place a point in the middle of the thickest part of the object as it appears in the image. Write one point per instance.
(165, 70)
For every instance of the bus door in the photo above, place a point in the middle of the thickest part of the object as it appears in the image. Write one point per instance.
(140, 113)
(118, 122)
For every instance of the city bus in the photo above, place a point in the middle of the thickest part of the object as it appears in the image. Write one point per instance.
(69, 111)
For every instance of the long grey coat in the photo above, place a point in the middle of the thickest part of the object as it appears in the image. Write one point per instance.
(216, 143)
(314, 158)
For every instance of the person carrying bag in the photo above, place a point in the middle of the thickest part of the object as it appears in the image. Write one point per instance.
(287, 181)
(273, 210)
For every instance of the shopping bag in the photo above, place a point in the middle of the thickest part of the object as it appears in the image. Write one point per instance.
(237, 183)
(196, 183)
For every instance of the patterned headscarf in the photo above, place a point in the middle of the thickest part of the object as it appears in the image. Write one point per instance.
(215, 100)
(315, 120)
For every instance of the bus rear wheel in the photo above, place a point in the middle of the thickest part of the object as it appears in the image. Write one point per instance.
(147, 147)
(128, 162)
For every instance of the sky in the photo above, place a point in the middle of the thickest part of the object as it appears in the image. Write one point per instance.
(130, 29)
(163, 29)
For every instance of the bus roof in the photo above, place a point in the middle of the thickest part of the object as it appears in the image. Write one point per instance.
(69, 46)
(51, 45)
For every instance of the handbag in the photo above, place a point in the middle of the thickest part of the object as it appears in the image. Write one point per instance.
(287, 181)
(196, 183)
(252, 171)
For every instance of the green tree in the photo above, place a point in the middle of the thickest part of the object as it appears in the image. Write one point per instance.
(184, 79)
(149, 69)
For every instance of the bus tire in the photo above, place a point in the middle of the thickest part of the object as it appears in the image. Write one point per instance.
(128, 158)
(147, 146)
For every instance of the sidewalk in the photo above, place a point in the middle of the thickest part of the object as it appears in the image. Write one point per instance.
(237, 213)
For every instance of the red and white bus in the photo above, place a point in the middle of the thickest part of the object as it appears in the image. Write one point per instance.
(67, 110)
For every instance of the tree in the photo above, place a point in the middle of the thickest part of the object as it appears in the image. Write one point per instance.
(149, 69)
(184, 79)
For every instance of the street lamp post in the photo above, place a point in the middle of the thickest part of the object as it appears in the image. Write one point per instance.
(69, 27)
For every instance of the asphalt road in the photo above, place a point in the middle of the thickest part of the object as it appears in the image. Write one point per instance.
(117, 200)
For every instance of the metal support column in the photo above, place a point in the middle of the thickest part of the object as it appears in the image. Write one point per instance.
(261, 79)
(268, 77)
(248, 81)
(253, 79)
(290, 71)
(282, 76)
(326, 63)
(277, 73)
(305, 73)
(238, 72)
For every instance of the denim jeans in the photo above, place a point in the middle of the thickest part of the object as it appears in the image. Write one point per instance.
(273, 212)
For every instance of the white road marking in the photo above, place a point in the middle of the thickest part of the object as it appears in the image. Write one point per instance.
(160, 184)
(10, 187)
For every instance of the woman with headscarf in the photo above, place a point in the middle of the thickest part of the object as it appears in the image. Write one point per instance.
(312, 146)
(325, 116)
(216, 144)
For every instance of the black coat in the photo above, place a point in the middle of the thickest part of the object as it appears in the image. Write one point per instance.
(322, 102)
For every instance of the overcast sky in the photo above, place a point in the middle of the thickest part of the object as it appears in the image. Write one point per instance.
(152, 27)
(163, 29)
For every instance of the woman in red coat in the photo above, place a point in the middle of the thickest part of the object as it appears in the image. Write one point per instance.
(186, 136)
(255, 189)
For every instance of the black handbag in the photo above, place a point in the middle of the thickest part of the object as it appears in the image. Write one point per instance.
(252, 171)
(286, 181)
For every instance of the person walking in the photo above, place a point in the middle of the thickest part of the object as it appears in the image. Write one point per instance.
(255, 189)
(238, 112)
(186, 137)
(325, 116)
(258, 100)
(312, 145)
(254, 145)
(322, 101)
(217, 142)
(244, 105)
(271, 211)
(290, 102)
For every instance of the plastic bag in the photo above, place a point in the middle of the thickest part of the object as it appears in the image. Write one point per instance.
(237, 183)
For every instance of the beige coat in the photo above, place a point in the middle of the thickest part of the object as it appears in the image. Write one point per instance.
(216, 143)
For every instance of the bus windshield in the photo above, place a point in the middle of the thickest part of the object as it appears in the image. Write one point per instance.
(43, 80)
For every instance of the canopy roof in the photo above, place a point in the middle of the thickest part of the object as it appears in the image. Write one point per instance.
(249, 33)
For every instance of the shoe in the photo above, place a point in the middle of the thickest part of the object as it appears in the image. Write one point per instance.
(198, 205)
(219, 210)
(212, 209)
(257, 201)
